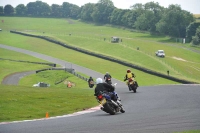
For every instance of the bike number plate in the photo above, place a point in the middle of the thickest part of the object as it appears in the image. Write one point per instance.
(103, 101)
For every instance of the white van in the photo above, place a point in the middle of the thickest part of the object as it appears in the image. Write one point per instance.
(160, 53)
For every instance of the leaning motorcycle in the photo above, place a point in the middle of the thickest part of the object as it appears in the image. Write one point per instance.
(109, 106)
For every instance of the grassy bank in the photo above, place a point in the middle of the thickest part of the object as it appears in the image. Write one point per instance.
(81, 59)
(91, 37)
(23, 103)
(8, 67)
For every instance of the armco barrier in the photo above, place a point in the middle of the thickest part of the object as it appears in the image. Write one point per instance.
(110, 59)
(43, 63)
(70, 70)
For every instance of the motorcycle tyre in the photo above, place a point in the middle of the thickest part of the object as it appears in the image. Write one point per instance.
(109, 109)
(129, 87)
(122, 110)
(134, 88)
(91, 85)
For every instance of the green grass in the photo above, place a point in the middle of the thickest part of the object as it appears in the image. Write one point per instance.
(58, 99)
(8, 67)
(90, 36)
(50, 76)
(38, 101)
(23, 103)
(81, 59)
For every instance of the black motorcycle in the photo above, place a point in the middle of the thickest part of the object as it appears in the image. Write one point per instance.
(132, 86)
(109, 106)
(91, 84)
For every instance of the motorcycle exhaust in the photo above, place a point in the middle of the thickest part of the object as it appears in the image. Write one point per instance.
(116, 105)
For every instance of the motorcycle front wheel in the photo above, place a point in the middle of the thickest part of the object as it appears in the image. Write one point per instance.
(122, 110)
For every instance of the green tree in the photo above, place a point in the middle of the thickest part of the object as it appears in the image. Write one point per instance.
(149, 16)
(131, 16)
(144, 21)
(56, 10)
(31, 8)
(102, 11)
(116, 16)
(191, 30)
(153, 15)
(86, 12)
(196, 38)
(66, 9)
(38, 8)
(1, 10)
(21, 9)
(174, 21)
(8, 10)
(74, 11)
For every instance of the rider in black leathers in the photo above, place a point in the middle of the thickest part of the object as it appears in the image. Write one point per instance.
(104, 87)
(90, 82)
(107, 76)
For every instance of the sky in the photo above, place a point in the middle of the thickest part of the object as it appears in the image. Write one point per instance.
(193, 6)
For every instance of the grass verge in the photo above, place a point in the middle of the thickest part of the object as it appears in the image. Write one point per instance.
(24, 103)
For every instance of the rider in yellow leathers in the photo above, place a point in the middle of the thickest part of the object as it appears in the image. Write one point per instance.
(130, 77)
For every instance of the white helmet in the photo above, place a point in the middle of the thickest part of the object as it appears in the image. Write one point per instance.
(99, 80)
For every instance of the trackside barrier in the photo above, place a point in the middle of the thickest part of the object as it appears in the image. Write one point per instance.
(43, 63)
(110, 59)
(70, 70)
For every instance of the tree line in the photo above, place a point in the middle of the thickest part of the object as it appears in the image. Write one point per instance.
(172, 21)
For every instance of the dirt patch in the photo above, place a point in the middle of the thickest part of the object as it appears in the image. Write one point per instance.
(180, 59)
(176, 58)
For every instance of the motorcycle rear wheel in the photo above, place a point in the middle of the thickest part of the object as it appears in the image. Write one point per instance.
(133, 87)
(110, 108)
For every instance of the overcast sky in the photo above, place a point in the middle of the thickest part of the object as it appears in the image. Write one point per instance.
(192, 6)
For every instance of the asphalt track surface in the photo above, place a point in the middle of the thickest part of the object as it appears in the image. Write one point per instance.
(153, 109)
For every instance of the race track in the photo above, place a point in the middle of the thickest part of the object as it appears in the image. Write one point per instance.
(154, 109)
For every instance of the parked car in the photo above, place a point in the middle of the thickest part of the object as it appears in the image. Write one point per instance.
(160, 53)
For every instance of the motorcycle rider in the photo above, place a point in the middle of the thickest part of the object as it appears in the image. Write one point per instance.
(107, 88)
(130, 75)
(107, 76)
(90, 82)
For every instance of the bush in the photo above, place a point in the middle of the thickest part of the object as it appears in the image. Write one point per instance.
(195, 40)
